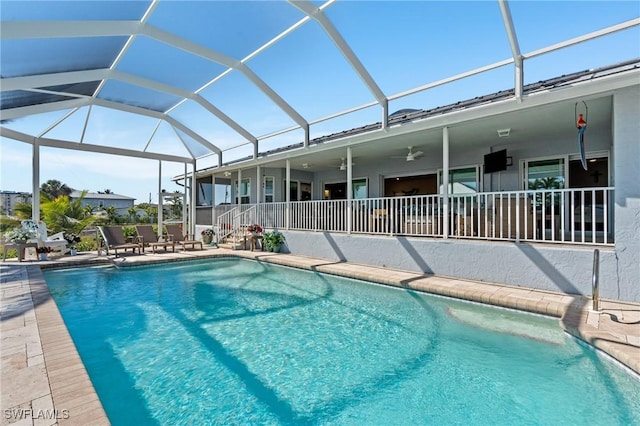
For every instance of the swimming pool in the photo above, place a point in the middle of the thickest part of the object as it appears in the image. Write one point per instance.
(232, 341)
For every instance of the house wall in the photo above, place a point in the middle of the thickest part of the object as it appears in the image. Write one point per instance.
(559, 269)
(626, 133)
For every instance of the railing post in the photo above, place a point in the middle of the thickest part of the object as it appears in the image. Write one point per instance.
(595, 280)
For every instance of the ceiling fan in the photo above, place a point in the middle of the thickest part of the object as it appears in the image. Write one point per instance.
(411, 155)
(343, 165)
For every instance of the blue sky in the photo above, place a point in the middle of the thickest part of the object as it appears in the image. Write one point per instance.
(401, 44)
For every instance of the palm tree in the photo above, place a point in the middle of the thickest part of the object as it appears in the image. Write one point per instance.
(62, 214)
(54, 188)
(176, 206)
(133, 214)
(112, 212)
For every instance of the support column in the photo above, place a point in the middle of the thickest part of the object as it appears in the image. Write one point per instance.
(287, 191)
(213, 201)
(445, 182)
(258, 184)
(160, 218)
(35, 182)
(192, 204)
(239, 190)
(184, 199)
(349, 190)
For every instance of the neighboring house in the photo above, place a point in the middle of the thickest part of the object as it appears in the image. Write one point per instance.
(122, 203)
(8, 199)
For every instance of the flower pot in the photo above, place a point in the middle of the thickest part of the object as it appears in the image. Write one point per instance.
(73, 252)
(276, 248)
(207, 239)
(43, 256)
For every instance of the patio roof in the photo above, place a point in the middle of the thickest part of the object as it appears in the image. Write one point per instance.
(221, 81)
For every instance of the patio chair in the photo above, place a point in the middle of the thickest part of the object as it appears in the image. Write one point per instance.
(147, 237)
(55, 242)
(175, 232)
(114, 239)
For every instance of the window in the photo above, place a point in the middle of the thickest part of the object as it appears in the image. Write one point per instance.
(461, 181)
(359, 187)
(204, 193)
(545, 174)
(243, 195)
(268, 189)
(338, 191)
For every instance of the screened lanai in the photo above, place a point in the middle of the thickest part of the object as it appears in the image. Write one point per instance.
(210, 84)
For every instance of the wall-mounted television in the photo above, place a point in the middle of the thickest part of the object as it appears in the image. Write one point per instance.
(495, 161)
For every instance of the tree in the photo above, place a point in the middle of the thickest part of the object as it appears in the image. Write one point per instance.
(89, 209)
(133, 214)
(112, 212)
(62, 214)
(22, 210)
(54, 188)
(176, 206)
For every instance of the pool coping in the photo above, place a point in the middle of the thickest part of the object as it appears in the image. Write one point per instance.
(37, 346)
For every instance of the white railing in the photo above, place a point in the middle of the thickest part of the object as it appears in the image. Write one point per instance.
(576, 216)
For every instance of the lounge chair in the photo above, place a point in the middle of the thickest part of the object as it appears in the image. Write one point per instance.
(178, 237)
(55, 242)
(114, 239)
(149, 238)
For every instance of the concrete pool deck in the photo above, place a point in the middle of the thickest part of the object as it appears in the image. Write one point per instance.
(44, 381)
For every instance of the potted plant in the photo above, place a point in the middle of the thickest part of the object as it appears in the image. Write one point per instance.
(273, 241)
(207, 235)
(254, 229)
(43, 252)
(72, 241)
(20, 235)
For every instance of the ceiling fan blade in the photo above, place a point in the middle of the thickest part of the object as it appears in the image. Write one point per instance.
(417, 154)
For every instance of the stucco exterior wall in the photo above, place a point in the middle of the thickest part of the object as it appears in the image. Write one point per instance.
(626, 134)
(559, 269)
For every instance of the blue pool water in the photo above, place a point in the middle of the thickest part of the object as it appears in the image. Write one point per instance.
(232, 341)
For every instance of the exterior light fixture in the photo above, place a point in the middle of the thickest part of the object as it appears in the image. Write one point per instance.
(227, 174)
(504, 133)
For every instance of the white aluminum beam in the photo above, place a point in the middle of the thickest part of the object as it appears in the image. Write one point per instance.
(214, 56)
(165, 88)
(9, 114)
(54, 79)
(581, 39)
(156, 114)
(515, 48)
(57, 143)
(318, 15)
(15, 30)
